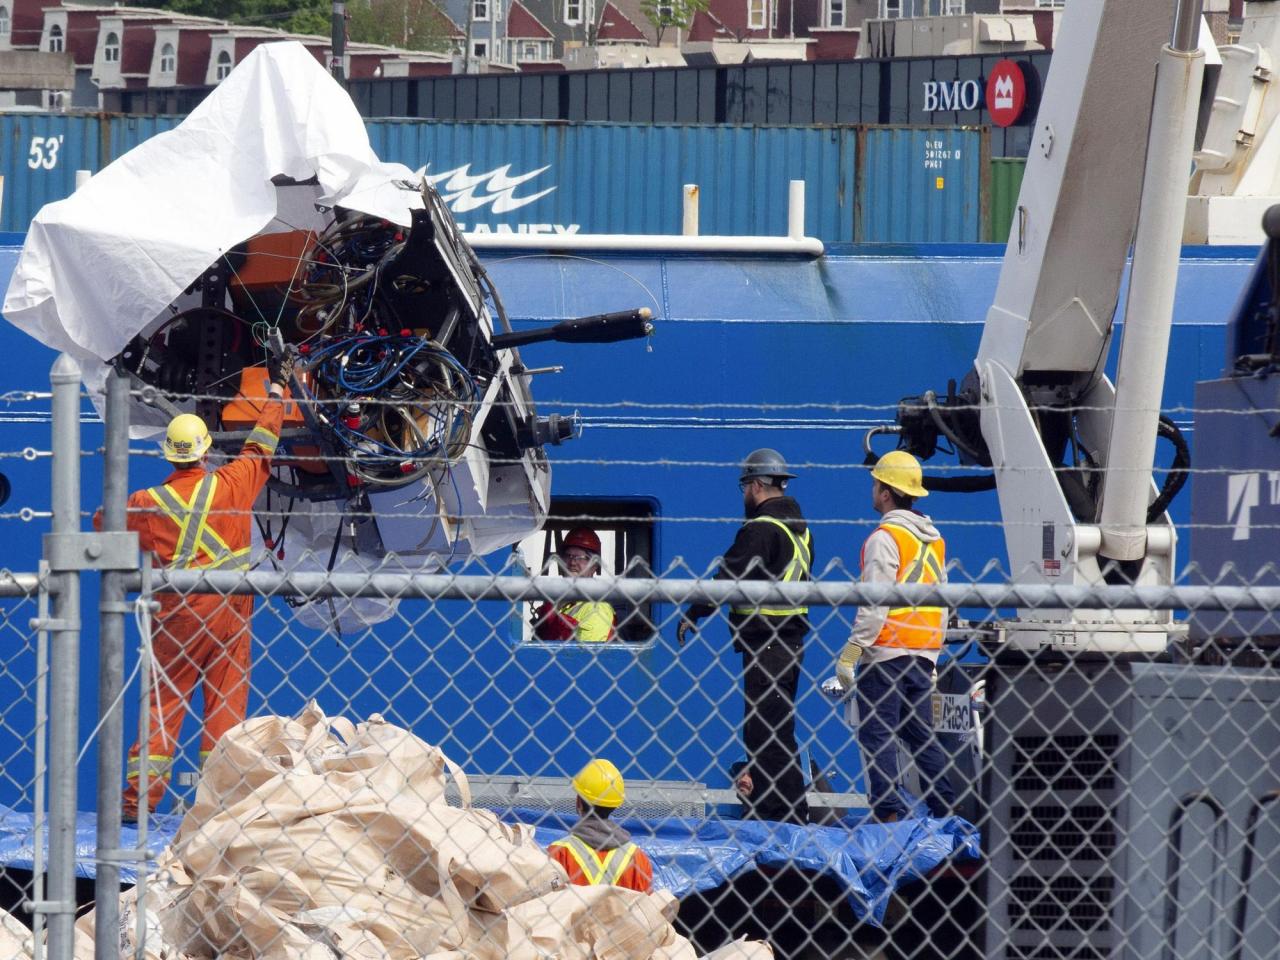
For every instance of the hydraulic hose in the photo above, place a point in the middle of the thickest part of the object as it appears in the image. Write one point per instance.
(1179, 470)
(976, 484)
(931, 402)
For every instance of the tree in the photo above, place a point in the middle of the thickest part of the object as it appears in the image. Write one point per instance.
(293, 16)
(411, 24)
(671, 13)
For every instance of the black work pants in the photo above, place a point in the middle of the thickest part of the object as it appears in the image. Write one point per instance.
(770, 675)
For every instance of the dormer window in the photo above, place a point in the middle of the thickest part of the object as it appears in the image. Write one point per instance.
(223, 68)
(111, 48)
(168, 59)
(55, 39)
(4, 21)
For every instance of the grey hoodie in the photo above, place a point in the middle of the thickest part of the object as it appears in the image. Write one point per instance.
(880, 565)
(600, 834)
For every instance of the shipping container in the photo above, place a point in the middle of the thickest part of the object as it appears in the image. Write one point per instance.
(122, 134)
(39, 156)
(932, 91)
(917, 184)
(901, 91)
(922, 185)
(1006, 182)
(613, 178)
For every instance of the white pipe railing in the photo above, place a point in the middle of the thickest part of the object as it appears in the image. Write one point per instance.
(848, 593)
(689, 227)
(689, 240)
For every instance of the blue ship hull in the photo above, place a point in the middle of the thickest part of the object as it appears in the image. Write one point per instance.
(796, 354)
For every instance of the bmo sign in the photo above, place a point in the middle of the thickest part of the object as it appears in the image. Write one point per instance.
(1004, 95)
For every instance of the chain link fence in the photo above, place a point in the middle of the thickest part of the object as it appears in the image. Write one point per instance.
(404, 786)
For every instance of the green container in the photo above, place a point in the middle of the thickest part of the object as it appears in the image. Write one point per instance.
(1006, 181)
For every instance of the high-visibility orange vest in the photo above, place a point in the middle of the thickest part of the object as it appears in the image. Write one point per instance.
(915, 628)
(626, 866)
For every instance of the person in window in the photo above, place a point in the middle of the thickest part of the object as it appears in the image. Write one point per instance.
(590, 621)
(597, 850)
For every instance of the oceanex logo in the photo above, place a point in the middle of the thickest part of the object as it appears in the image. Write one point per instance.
(466, 192)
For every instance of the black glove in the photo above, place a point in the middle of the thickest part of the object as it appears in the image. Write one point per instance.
(280, 369)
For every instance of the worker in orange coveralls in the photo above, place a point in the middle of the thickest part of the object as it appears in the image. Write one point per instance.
(201, 518)
(597, 850)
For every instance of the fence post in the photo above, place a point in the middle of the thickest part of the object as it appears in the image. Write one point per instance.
(64, 665)
(112, 610)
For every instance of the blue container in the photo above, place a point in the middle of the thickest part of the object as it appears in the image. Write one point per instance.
(923, 184)
(122, 134)
(39, 156)
(611, 178)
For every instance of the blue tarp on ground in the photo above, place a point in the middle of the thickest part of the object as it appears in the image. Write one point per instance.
(870, 860)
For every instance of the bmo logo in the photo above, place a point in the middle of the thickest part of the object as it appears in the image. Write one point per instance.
(948, 95)
(1006, 94)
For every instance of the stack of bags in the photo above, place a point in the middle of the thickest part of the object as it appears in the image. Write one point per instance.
(314, 839)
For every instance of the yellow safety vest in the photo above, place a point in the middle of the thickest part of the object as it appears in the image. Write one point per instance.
(797, 569)
(597, 869)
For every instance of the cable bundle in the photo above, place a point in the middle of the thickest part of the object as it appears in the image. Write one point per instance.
(406, 405)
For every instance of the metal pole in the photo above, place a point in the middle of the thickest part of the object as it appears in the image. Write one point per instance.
(1186, 26)
(690, 224)
(111, 619)
(1148, 316)
(338, 41)
(64, 665)
(144, 741)
(795, 210)
(38, 801)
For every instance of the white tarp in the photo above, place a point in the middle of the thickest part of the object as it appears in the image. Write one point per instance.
(101, 265)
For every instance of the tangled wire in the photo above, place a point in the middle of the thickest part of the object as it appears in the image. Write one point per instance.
(407, 403)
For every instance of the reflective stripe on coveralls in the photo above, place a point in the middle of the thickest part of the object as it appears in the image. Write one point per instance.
(797, 569)
(194, 532)
(598, 870)
(915, 628)
(159, 766)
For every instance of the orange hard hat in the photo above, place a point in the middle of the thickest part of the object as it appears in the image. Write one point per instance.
(583, 539)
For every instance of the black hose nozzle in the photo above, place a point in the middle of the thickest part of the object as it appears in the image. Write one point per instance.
(601, 328)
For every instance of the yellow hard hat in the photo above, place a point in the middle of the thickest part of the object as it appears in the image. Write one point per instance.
(186, 440)
(901, 471)
(600, 784)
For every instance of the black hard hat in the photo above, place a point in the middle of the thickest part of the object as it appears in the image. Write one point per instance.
(764, 463)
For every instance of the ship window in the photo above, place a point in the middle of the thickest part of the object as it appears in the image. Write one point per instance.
(111, 48)
(4, 21)
(168, 59)
(626, 531)
(224, 65)
(55, 39)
